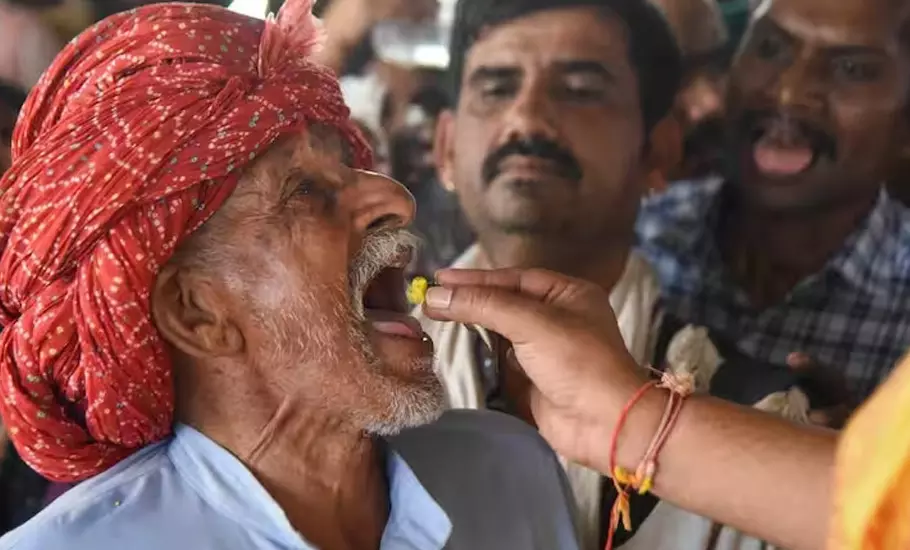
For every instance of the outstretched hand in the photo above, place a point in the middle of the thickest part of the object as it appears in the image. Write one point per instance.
(566, 339)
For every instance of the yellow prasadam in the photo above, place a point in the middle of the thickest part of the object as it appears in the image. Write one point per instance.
(417, 290)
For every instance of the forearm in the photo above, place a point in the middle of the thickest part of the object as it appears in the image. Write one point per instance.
(740, 467)
(335, 56)
(342, 37)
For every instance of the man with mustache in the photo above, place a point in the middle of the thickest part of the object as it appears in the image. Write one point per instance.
(559, 127)
(203, 312)
(799, 256)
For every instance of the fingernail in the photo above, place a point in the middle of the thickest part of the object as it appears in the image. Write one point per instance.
(439, 297)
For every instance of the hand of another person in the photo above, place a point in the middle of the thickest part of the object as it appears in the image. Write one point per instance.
(566, 339)
(827, 390)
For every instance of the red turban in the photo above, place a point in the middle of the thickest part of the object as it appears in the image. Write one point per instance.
(133, 138)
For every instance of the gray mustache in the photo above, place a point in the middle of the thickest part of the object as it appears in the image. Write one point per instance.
(381, 249)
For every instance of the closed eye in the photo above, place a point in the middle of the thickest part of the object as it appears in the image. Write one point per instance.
(583, 87)
(494, 90)
(493, 84)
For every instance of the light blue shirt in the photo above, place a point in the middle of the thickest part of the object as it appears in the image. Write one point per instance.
(483, 481)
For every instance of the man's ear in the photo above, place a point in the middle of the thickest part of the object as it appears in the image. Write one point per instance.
(444, 149)
(190, 314)
(664, 155)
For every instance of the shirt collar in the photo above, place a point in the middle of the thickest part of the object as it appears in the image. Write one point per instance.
(415, 516)
(232, 490)
(870, 257)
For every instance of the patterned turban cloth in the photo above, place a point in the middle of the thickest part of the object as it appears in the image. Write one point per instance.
(135, 136)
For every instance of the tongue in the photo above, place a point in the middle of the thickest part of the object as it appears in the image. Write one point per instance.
(394, 324)
(775, 160)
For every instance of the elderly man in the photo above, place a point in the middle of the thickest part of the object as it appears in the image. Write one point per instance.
(203, 312)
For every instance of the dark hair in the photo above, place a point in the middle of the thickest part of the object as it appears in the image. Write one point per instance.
(431, 99)
(652, 48)
(12, 96)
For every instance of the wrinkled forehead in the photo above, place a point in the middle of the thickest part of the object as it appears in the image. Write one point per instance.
(826, 23)
(320, 151)
(319, 141)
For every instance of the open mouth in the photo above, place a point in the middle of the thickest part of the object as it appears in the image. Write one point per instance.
(385, 305)
(784, 146)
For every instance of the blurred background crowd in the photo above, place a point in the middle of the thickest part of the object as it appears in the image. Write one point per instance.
(392, 55)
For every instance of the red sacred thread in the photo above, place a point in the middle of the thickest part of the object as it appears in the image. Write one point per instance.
(621, 504)
(642, 480)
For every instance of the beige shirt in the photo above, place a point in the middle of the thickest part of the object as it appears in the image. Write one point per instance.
(633, 299)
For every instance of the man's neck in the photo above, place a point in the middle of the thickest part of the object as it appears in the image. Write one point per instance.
(769, 255)
(602, 264)
(328, 478)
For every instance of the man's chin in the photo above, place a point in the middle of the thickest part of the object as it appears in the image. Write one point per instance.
(415, 395)
(414, 403)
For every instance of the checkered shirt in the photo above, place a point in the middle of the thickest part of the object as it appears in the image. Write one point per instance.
(854, 315)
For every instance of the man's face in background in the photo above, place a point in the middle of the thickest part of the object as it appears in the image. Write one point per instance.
(546, 142)
(701, 34)
(816, 103)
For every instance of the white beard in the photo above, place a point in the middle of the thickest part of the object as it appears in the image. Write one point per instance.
(339, 370)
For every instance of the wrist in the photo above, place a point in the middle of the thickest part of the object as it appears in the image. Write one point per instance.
(634, 435)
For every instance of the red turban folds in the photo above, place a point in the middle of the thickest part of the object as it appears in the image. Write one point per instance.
(135, 137)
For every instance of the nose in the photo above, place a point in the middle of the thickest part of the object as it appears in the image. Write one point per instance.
(530, 114)
(701, 100)
(797, 88)
(380, 202)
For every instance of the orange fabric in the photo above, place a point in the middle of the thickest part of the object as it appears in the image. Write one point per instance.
(135, 136)
(873, 480)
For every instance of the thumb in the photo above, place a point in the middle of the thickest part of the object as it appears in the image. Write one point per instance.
(518, 318)
(545, 287)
